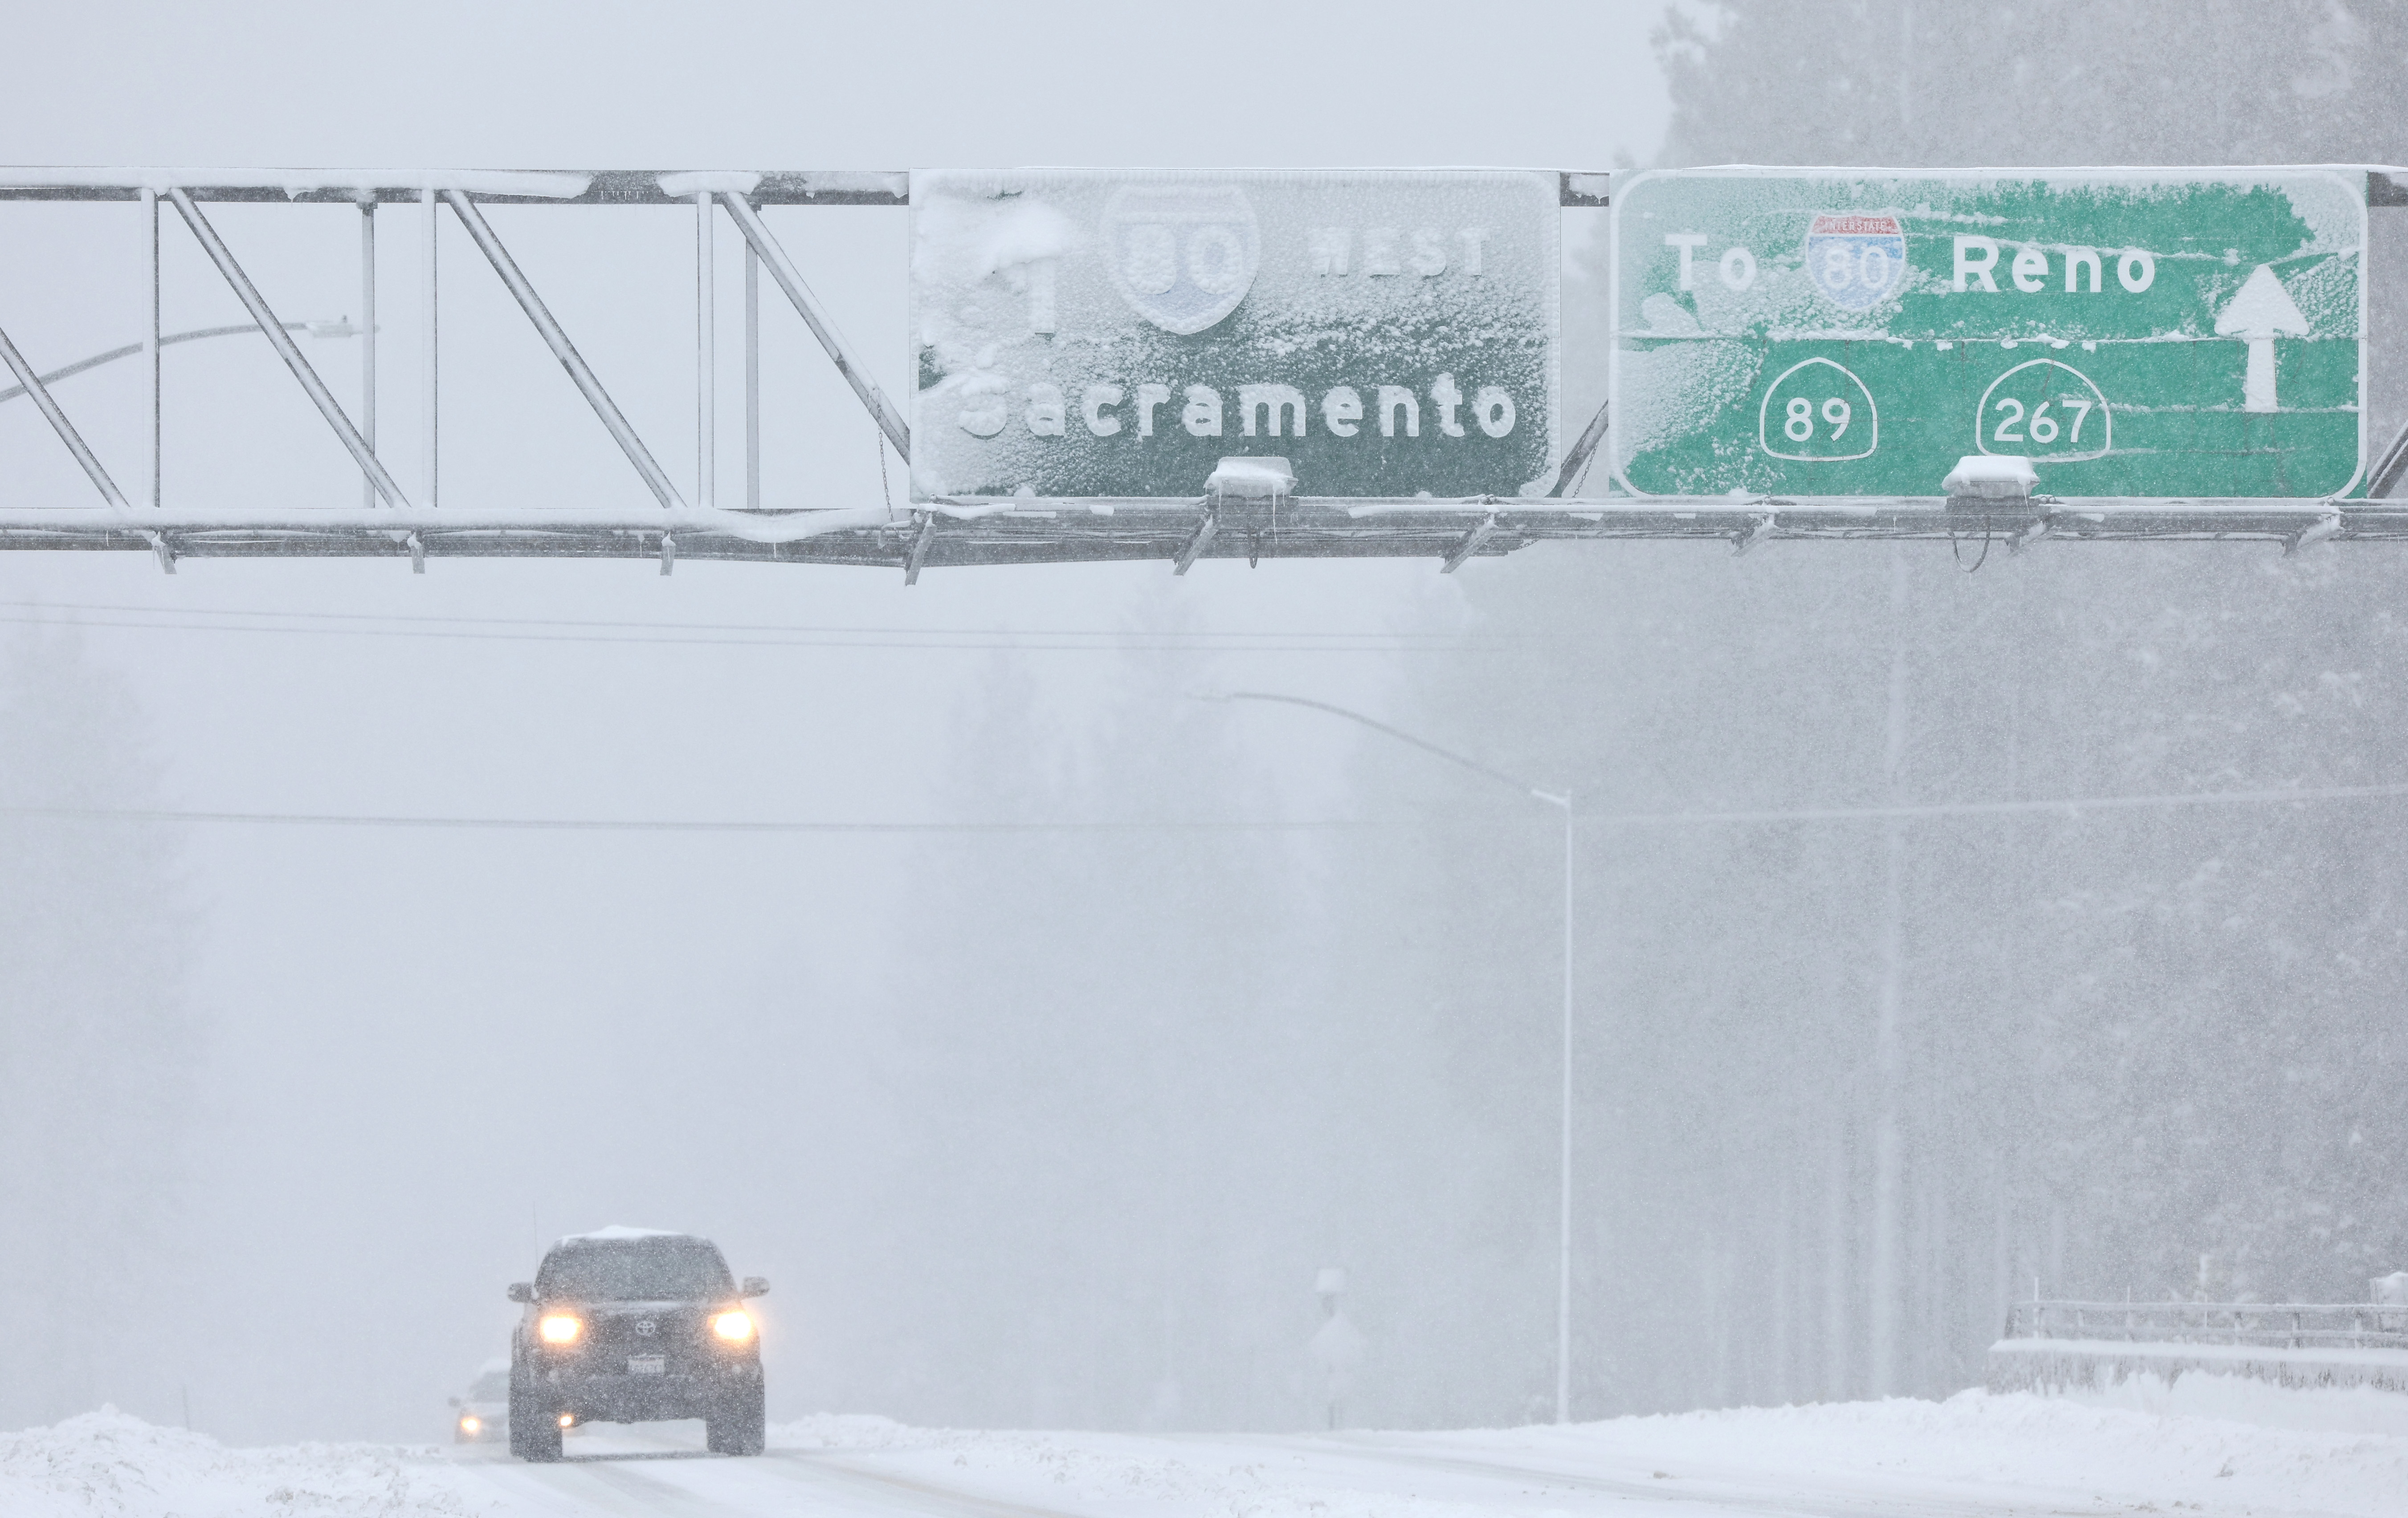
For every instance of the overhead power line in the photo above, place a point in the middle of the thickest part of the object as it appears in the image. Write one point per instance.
(1993, 808)
(2066, 807)
(716, 635)
(611, 824)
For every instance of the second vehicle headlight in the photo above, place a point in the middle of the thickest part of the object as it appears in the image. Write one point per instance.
(560, 1328)
(734, 1327)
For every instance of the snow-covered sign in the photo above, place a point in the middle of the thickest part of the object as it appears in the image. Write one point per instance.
(2132, 331)
(1098, 332)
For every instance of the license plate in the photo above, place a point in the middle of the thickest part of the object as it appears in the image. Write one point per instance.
(647, 1365)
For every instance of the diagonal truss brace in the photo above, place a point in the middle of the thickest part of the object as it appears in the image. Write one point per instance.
(1472, 543)
(1206, 531)
(562, 349)
(921, 544)
(59, 423)
(282, 342)
(781, 269)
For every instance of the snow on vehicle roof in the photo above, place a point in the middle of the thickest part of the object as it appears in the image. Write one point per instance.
(619, 1232)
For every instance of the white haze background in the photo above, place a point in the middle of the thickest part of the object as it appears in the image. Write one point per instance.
(286, 1107)
(1055, 1129)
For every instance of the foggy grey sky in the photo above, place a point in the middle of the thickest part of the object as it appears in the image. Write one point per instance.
(377, 1004)
(1056, 1130)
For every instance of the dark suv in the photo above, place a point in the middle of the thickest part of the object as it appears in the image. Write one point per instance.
(630, 1324)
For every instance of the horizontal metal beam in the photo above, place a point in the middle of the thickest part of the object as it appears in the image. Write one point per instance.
(491, 187)
(617, 186)
(1024, 531)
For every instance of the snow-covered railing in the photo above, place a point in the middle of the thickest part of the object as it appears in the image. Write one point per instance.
(2051, 1346)
(2264, 1324)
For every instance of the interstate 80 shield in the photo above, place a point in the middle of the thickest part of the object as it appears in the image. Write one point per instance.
(1855, 261)
(1095, 333)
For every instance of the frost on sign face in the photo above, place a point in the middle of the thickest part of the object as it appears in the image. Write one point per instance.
(1097, 333)
(2131, 331)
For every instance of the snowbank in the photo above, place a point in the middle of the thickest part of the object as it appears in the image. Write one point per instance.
(2339, 1410)
(106, 1463)
(1979, 1451)
(2015, 1446)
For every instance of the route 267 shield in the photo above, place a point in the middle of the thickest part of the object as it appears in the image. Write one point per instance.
(1182, 256)
(1855, 261)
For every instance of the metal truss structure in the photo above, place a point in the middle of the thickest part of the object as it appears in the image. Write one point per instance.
(391, 523)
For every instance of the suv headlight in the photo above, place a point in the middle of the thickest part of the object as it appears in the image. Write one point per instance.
(559, 1328)
(733, 1327)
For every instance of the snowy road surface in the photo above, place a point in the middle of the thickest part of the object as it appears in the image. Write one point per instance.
(1972, 1457)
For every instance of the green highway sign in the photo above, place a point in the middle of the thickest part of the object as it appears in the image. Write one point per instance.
(2137, 333)
(1113, 333)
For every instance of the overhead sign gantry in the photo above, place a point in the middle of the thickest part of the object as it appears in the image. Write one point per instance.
(1190, 365)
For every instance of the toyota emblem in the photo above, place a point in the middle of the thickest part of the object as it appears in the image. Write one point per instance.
(646, 1327)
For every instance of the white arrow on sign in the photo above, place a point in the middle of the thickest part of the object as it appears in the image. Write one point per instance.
(2261, 312)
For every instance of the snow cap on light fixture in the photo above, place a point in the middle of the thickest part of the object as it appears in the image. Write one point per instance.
(1991, 477)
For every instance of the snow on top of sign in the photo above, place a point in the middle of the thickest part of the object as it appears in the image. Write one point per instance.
(959, 242)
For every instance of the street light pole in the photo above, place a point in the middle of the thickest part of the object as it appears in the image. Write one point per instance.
(342, 328)
(1562, 802)
(1564, 1163)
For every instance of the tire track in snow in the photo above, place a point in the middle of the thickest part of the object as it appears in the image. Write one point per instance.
(579, 1489)
(926, 1496)
(1730, 1495)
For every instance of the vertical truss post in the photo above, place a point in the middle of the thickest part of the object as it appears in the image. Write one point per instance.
(282, 342)
(367, 337)
(781, 269)
(751, 379)
(705, 357)
(561, 349)
(59, 423)
(433, 229)
(151, 331)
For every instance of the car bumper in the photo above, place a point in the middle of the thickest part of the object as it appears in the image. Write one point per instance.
(608, 1398)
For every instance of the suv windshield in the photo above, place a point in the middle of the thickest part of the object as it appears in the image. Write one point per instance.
(653, 1270)
(493, 1387)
